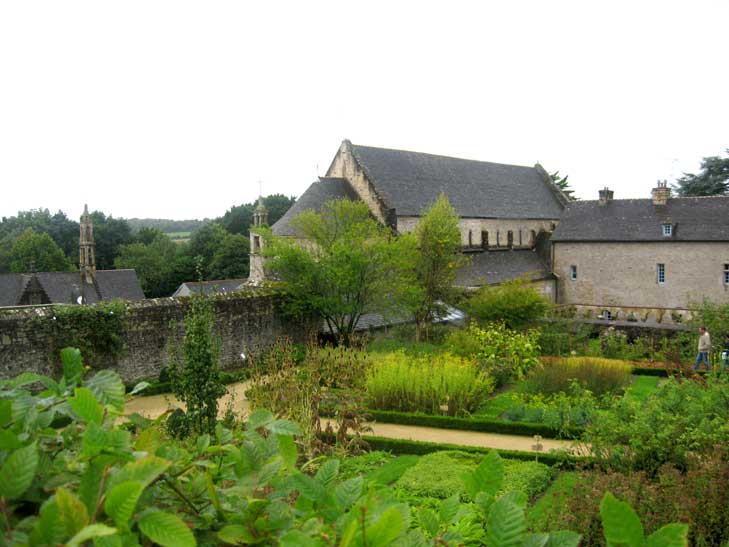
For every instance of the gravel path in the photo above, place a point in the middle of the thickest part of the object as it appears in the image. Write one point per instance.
(155, 405)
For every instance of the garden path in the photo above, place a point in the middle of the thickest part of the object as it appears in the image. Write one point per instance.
(153, 406)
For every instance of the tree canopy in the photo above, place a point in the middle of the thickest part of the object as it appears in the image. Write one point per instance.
(711, 180)
(436, 261)
(564, 185)
(37, 250)
(349, 265)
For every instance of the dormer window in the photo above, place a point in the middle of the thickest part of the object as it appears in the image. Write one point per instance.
(667, 230)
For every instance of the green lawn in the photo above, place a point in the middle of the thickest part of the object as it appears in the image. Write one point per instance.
(496, 405)
(642, 388)
(554, 496)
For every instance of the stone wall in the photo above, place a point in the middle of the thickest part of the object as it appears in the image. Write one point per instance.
(245, 323)
(524, 231)
(624, 275)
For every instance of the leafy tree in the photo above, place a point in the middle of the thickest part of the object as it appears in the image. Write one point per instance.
(39, 249)
(238, 219)
(562, 184)
(515, 302)
(204, 243)
(350, 265)
(157, 265)
(109, 235)
(231, 259)
(712, 180)
(63, 231)
(196, 379)
(438, 257)
(147, 235)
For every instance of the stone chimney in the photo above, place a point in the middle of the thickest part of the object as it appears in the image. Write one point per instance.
(661, 193)
(606, 196)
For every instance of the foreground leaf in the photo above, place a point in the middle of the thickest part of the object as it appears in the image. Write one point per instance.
(121, 502)
(90, 532)
(670, 535)
(71, 511)
(387, 528)
(18, 471)
(167, 530)
(506, 524)
(621, 525)
(85, 406)
(108, 387)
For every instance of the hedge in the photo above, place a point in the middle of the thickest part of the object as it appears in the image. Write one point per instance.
(404, 446)
(487, 425)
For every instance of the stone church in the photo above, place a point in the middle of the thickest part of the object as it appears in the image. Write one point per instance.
(86, 286)
(505, 210)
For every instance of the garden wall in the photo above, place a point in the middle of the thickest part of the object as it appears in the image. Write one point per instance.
(143, 334)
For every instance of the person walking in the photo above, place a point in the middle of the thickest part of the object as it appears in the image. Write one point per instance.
(704, 348)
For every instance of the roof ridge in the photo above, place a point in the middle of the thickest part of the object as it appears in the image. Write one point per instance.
(442, 156)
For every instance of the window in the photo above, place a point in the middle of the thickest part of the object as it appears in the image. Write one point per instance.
(667, 230)
(485, 239)
(661, 275)
(510, 239)
(726, 274)
(470, 238)
(573, 273)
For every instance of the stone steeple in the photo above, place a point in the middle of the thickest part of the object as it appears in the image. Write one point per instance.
(260, 214)
(87, 248)
(260, 219)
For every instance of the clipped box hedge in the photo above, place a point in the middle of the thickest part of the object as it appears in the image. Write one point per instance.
(404, 446)
(487, 425)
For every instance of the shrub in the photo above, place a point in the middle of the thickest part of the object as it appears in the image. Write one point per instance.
(439, 475)
(563, 411)
(419, 384)
(698, 497)
(503, 353)
(682, 418)
(599, 376)
(516, 303)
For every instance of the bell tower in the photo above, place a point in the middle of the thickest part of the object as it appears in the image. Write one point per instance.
(260, 219)
(87, 248)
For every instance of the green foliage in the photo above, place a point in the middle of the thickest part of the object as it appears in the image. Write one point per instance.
(238, 219)
(96, 329)
(682, 418)
(160, 264)
(426, 384)
(505, 354)
(37, 249)
(516, 303)
(231, 258)
(712, 180)
(195, 377)
(566, 412)
(563, 185)
(600, 376)
(437, 239)
(642, 388)
(109, 236)
(349, 265)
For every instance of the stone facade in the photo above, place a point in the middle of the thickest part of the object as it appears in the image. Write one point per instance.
(473, 230)
(345, 166)
(625, 274)
(244, 324)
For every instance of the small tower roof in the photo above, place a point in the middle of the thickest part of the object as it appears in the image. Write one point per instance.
(260, 206)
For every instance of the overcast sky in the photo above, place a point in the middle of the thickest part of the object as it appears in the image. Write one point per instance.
(175, 109)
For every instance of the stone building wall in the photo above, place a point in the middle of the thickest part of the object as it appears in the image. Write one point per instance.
(523, 231)
(243, 323)
(625, 274)
(345, 166)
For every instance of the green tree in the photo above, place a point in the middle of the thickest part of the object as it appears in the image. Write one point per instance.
(147, 235)
(39, 249)
(348, 265)
(438, 257)
(516, 303)
(157, 265)
(109, 235)
(231, 258)
(195, 380)
(712, 180)
(204, 243)
(562, 184)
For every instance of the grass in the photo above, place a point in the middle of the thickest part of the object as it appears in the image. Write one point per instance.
(497, 405)
(397, 381)
(555, 496)
(415, 349)
(642, 388)
(596, 374)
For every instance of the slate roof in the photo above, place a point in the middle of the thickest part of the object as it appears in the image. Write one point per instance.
(693, 219)
(491, 267)
(321, 191)
(410, 182)
(64, 287)
(209, 287)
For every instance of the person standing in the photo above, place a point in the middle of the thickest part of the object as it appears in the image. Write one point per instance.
(704, 348)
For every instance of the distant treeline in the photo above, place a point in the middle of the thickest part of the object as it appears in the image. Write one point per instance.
(166, 225)
(216, 249)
